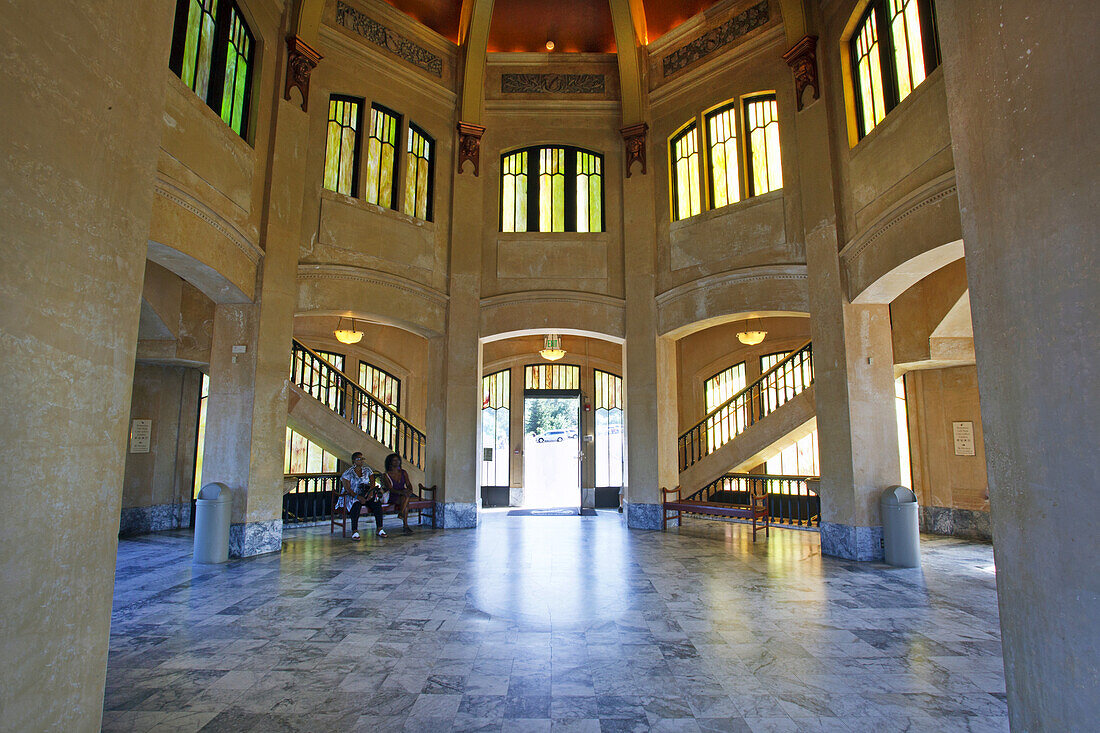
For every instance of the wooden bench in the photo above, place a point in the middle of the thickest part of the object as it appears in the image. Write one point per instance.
(757, 510)
(420, 505)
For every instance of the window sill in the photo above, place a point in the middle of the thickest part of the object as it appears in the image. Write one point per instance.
(391, 214)
(728, 209)
(551, 236)
(897, 116)
(216, 125)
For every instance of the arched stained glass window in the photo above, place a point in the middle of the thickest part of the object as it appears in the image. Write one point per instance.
(762, 131)
(496, 402)
(609, 435)
(419, 167)
(725, 183)
(684, 149)
(568, 196)
(382, 156)
(345, 120)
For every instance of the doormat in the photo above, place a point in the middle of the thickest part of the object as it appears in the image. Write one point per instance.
(563, 512)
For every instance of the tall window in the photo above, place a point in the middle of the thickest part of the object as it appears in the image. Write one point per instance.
(328, 388)
(381, 385)
(893, 50)
(797, 459)
(767, 361)
(609, 429)
(725, 185)
(496, 403)
(304, 456)
(200, 438)
(381, 157)
(567, 198)
(345, 120)
(762, 132)
(212, 53)
(717, 390)
(419, 166)
(685, 166)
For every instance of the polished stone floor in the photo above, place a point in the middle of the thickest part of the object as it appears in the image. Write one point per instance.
(553, 623)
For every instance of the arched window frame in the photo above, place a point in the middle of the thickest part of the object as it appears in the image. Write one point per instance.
(684, 172)
(524, 164)
(226, 29)
(892, 93)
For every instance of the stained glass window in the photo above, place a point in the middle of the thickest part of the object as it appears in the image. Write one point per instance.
(552, 376)
(382, 156)
(496, 403)
(762, 131)
(684, 149)
(567, 198)
(212, 50)
(200, 438)
(725, 186)
(797, 459)
(893, 49)
(589, 192)
(716, 391)
(769, 360)
(304, 456)
(419, 165)
(380, 384)
(345, 119)
(609, 435)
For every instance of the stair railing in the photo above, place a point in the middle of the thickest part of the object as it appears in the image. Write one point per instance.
(343, 395)
(792, 500)
(772, 390)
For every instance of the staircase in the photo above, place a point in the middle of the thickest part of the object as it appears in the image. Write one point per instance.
(331, 409)
(753, 425)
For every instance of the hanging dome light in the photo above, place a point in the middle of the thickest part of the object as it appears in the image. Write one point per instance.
(752, 338)
(551, 347)
(347, 336)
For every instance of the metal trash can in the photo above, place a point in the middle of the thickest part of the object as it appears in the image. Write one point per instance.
(900, 528)
(212, 511)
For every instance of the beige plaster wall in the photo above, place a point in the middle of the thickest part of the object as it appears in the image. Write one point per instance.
(701, 355)
(934, 400)
(183, 320)
(915, 314)
(169, 396)
(402, 354)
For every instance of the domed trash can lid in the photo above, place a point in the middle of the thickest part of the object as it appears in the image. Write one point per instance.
(898, 495)
(214, 492)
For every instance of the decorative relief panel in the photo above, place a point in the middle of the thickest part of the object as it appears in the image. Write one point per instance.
(716, 38)
(552, 84)
(395, 43)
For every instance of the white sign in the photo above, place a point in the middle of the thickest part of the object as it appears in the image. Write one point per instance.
(141, 433)
(964, 438)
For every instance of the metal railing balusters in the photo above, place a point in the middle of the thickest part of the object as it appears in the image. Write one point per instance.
(790, 499)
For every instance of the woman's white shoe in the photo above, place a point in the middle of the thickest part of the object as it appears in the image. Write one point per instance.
(381, 533)
(355, 536)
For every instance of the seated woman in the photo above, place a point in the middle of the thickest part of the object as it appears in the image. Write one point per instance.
(356, 489)
(396, 481)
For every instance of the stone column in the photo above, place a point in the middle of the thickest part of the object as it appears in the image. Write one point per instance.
(649, 365)
(82, 116)
(1021, 101)
(462, 383)
(246, 413)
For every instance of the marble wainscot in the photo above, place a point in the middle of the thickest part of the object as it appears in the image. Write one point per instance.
(142, 519)
(255, 538)
(642, 516)
(456, 514)
(852, 543)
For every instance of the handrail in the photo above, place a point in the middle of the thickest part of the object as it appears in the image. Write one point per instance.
(343, 395)
(774, 388)
(790, 498)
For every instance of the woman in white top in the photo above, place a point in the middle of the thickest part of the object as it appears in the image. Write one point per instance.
(356, 489)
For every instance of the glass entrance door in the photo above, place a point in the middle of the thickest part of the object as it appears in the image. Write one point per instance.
(551, 451)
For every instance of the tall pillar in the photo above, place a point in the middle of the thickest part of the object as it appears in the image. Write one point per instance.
(649, 365)
(246, 414)
(1021, 100)
(82, 118)
(853, 363)
(462, 382)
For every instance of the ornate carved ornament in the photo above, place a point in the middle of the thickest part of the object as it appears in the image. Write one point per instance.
(634, 138)
(469, 145)
(395, 43)
(552, 83)
(301, 61)
(715, 38)
(802, 58)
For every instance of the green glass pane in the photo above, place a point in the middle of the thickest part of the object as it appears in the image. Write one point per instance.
(422, 190)
(332, 155)
(374, 157)
(582, 203)
(409, 206)
(595, 203)
(385, 177)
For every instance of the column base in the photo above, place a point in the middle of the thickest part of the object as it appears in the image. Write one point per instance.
(142, 519)
(255, 538)
(456, 515)
(968, 523)
(852, 543)
(642, 516)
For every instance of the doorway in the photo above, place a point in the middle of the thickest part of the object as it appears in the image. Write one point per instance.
(552, 450)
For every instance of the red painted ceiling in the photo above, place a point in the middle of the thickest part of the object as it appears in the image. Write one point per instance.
(573, 25)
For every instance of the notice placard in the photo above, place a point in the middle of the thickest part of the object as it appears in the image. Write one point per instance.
(487, 455)
(141, 432)
(964, 438)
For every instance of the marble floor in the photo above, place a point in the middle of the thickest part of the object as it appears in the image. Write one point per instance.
(553, 623)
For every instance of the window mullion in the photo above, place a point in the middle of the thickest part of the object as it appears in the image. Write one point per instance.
(533, 185)
(570, 189)
(218, 57)
(930, 36)
(887, 66)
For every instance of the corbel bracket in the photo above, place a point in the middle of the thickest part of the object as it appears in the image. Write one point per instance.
(469, 145)
(301, 61)
(634, 139)
(802, 58)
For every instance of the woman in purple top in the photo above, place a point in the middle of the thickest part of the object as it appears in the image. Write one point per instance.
(396, 481)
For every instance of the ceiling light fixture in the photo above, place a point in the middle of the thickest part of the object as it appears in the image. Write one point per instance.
(551, 347)
(347, 336)
(752, 338)
(549, 45)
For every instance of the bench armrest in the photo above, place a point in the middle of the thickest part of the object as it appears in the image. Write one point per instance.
(665, 492)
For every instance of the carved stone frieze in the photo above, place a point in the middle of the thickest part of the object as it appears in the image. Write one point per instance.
(469, 145)
(395, 43)
(300, 63)
(802, 58)
(715, 38)
(552, 84)
(634, 139)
